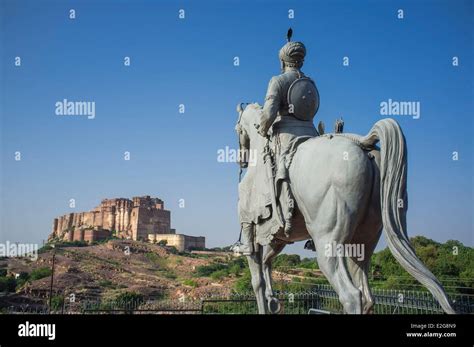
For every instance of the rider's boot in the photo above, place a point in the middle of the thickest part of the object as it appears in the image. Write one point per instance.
(245, 247)
(290, 205)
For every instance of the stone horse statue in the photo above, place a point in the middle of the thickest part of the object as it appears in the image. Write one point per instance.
(347, 190)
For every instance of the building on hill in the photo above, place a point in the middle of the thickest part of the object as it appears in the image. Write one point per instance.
(140, 218)
(179, 241)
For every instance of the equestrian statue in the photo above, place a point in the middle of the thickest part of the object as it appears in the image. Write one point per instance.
(324, 188)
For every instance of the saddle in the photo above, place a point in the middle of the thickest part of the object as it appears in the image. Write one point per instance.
(279, 205)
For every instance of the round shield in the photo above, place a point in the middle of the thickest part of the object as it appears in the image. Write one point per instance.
(303, 99)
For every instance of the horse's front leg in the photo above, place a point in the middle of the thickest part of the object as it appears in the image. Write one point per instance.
(270, 252)
(258, 280)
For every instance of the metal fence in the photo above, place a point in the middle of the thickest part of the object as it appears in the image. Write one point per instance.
(325, 298)
(321, 297)
(137, 307)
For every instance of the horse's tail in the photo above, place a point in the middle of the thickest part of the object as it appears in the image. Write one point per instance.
(393, 196)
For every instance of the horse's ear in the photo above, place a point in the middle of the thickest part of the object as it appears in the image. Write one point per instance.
(239, 107)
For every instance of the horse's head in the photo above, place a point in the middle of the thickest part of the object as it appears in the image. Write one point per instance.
(243, 134)
(250, 141)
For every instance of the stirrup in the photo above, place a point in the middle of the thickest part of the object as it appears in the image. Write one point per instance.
(240, 248)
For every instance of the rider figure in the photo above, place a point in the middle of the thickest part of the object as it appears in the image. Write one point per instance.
(285, 128)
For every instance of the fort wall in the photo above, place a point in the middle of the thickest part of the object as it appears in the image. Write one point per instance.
(140, 218)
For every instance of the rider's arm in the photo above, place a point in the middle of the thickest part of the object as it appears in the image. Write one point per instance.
(271, 107)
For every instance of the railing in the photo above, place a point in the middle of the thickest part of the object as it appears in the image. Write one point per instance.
(324, 298)
(140, 307)
(320, 298)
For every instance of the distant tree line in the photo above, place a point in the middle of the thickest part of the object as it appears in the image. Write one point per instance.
(451, 262)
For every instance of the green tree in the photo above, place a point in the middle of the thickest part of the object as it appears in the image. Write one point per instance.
(451, 262)
(286, 260)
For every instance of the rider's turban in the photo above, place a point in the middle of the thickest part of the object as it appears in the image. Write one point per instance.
(293, 53)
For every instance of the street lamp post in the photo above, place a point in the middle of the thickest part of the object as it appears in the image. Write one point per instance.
(52, 279)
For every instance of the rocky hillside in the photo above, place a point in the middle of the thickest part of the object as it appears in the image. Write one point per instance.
(106, 270)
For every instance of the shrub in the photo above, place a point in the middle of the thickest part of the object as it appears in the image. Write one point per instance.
(244, 283)
(172, 250)
(57, 302)
(65, 244)
(299, 285)
(166, 273)
(207, 270)
(106, 284)
(22, 279)
(235, 270)
(191, 283)
(40, 273)
(129, 300)
(217, 275)
(219, 270)
(219, 249)
(47, 247)
(153, 257)
(7, 284)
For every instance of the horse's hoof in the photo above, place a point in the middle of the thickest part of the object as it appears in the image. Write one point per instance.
(274, 305)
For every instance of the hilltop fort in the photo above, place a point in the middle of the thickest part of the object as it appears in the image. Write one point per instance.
(142, 218)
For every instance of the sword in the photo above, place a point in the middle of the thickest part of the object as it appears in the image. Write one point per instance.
(267, 159)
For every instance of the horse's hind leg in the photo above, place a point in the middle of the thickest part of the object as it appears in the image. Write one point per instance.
(368, 235)
(360, 279)
(329, 230)
(334, 268)
(358, 266)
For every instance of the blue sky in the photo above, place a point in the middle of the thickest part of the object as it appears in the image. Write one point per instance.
(190, 61)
